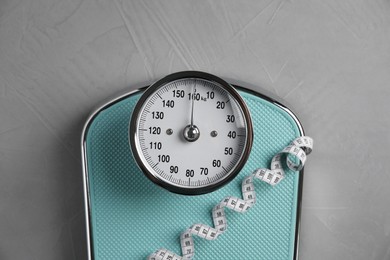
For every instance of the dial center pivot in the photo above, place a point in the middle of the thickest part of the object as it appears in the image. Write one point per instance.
(191, 133)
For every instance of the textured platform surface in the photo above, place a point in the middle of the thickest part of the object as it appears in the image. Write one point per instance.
(131, 216)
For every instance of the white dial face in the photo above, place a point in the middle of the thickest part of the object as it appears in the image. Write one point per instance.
(191, 133)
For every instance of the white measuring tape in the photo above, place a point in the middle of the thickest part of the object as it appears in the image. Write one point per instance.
(299, 149)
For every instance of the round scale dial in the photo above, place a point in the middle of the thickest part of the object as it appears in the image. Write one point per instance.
(191, 132)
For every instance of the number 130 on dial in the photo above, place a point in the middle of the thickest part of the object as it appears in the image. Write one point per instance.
(191, 132)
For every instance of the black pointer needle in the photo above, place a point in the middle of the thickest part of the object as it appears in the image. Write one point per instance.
(192, 107)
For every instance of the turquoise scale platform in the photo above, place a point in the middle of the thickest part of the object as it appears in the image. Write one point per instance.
(130, 217)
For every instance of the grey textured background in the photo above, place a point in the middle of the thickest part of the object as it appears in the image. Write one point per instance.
(329, 59)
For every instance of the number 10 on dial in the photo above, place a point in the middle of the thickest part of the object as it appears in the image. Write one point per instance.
(191, 132)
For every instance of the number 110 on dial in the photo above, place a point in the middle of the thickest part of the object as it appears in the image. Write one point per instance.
(191, 132)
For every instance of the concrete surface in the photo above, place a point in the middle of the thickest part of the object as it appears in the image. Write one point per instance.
(329, 59)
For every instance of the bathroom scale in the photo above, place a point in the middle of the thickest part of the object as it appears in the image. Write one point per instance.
(157, 160)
